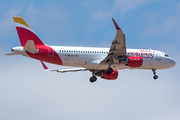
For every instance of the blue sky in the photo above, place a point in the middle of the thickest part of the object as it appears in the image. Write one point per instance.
(28, 92)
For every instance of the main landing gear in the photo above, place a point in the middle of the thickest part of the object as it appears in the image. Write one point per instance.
(109, 70)
(154, 72)
(93, 78)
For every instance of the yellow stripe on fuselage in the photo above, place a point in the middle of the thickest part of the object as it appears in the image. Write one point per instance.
(20, 20)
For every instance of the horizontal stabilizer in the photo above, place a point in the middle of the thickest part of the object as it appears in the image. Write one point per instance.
(12, 54)
(65, 70)
(30, 47)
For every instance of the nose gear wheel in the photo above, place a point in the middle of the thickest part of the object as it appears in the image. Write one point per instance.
(154, 72)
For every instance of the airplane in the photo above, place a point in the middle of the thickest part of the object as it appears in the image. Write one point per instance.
(102, 62)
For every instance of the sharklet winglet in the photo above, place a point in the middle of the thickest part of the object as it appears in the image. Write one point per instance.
(116, 25)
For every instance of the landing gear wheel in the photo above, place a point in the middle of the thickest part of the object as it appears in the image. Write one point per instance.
(155, 77)
(93, 79)
(109, 70)
(154, 72)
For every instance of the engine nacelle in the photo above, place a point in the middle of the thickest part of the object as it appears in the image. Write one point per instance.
(111, 76)
(135, 61)
(132, 61)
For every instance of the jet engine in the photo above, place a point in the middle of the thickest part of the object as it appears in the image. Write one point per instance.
(132, 61)
(104, 75)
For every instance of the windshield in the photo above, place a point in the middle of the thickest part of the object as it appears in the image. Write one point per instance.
(166, 55)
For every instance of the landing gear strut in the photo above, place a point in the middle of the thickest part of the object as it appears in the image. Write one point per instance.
(109, 70)
(154, 72)
(93, 78)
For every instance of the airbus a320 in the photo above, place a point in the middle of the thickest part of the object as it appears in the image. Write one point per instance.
(102, 62)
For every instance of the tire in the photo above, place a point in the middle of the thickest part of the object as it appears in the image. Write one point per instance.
(155, 77)
(93, 79)
(109, 70)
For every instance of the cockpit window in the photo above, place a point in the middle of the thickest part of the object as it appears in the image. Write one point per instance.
(166, 55)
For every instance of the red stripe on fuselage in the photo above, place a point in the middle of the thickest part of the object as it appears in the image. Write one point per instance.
(46, 54)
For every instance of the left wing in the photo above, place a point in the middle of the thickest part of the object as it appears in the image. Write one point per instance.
(65, 70)
(118, 46)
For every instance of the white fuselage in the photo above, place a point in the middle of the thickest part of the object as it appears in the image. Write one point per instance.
(90, 57)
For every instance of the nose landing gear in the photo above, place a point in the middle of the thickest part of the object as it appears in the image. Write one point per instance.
(154, 72)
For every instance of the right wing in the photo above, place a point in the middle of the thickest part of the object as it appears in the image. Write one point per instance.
(65, 70)
(118, 47)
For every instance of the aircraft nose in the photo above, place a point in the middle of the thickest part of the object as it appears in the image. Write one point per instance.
(173, 63)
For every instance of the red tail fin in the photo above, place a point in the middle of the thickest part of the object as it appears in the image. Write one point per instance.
(25, 33)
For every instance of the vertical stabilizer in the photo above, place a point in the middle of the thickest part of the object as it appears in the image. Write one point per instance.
(25, 33)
